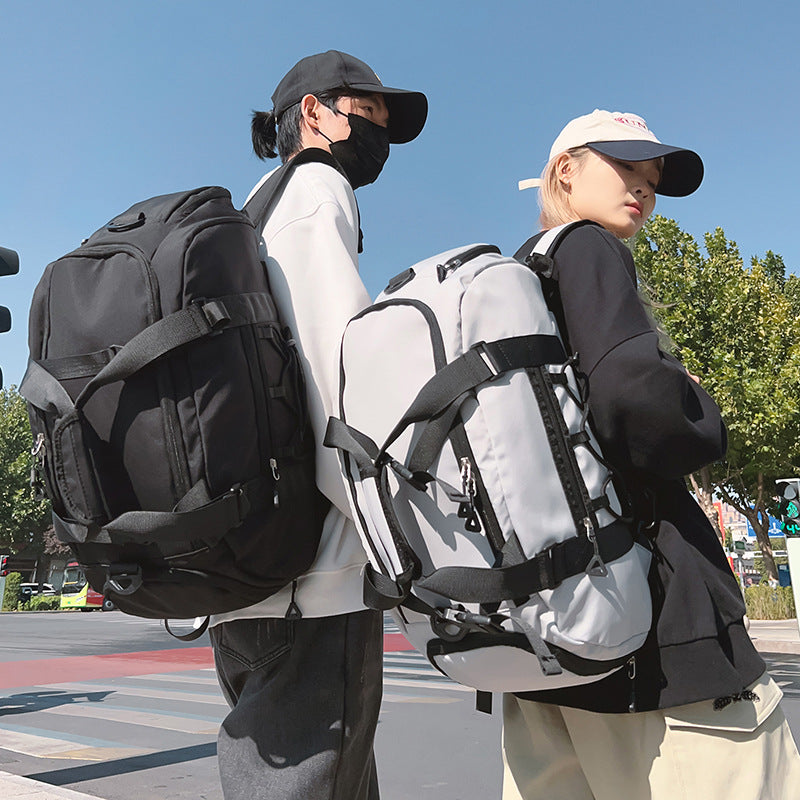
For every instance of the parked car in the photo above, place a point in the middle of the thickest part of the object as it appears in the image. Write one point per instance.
(28, 590)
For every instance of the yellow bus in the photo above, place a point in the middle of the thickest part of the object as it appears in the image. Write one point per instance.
(76, 592)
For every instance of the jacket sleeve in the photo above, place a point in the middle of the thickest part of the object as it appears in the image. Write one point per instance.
(313, 270)
(647, 412)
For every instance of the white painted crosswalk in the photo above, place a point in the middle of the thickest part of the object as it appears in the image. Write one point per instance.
(110, 718)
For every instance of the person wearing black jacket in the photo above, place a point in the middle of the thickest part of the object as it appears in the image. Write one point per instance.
(694, 713)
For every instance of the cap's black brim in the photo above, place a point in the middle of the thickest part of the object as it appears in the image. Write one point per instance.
(407, 111)
(683, 169)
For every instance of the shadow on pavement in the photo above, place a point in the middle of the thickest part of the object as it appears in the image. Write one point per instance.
(28, 702)
(122, 766)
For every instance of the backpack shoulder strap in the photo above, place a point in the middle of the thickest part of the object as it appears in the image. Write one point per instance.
(261, 204)
(540, 259)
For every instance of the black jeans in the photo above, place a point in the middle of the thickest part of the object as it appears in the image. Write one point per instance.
(305, 697)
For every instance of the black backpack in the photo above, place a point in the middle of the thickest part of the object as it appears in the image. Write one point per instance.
(168, 408)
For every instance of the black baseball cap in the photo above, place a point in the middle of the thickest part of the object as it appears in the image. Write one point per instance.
(336, 70)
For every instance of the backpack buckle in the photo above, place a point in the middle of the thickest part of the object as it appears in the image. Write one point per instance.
(122, 579)
(486, 355)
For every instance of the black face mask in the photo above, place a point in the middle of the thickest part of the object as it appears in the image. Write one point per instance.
(364, 152)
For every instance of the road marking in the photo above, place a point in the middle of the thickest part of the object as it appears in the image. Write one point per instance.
(198, 680)
(148, 719)
(413, 698)
(125, 690)
(15, 674)
(21, 740)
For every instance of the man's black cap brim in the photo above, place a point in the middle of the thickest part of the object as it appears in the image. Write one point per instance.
(407, 110)
(683, 169)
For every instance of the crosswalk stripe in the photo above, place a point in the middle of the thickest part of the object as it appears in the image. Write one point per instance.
(126, 690)
(54, 745)
(98, 711)
(173, 678)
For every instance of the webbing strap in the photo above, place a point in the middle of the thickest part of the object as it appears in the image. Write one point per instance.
(207, 523)
(341, 436)
(482, 362)
(189, 637)
(178, 329)
(173, 531)
(259, 206)
(433, 437)
(44, 392)
(381, 593)
(81, 366)
(544, 571)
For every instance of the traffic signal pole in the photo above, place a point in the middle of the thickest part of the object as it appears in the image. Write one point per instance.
(789, 492)
(9, 265)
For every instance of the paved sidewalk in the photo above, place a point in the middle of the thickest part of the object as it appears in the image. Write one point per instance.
(775, 636)
(15, 787)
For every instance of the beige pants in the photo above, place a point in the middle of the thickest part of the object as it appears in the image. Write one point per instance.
(742, 752)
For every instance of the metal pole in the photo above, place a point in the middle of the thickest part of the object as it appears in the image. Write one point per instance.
(793, 553)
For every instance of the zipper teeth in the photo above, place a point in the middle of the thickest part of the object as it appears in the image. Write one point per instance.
(171, 421)
(262, 373)
(546, 396)
(462, 258)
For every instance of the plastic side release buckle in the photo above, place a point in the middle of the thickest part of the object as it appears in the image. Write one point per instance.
(123, 579)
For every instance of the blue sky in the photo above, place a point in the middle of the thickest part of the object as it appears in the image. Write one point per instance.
(105, 104)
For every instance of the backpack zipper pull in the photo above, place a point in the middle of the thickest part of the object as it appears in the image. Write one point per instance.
(596, 568)
(466, 509)
(38, 452)
(276, 476)
(293, 612)
(632, 678)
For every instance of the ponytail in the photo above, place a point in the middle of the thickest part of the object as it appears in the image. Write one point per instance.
(264, 134)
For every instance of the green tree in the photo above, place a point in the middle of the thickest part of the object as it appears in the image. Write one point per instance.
(11, 594)
(737, 327)
(23, 519)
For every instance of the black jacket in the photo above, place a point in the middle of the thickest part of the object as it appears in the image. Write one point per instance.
(655, 425)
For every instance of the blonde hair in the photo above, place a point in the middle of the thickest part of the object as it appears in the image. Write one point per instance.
(553, 196)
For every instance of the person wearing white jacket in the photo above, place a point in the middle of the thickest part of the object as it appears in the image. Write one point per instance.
(302, 669)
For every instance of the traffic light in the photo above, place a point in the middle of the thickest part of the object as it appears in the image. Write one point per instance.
(9, 265)
(789, 493)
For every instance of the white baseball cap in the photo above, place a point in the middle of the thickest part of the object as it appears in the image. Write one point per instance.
(626, 137)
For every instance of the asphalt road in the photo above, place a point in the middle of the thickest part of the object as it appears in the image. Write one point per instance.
(127, 712)
(112, 706)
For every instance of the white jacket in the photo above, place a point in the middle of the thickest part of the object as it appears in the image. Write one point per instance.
(311, 241)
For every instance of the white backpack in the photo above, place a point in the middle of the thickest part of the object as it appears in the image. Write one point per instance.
(479, 492)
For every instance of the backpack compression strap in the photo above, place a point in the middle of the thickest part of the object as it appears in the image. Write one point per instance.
(483, 362)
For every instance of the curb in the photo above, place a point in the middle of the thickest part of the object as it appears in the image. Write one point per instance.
(776, 646)
(17, 786)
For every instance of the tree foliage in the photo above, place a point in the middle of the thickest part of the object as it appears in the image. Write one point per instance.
(23, 519)
(737, 327)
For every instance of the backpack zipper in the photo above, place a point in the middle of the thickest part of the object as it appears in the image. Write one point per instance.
(176, 460)
(442, 270)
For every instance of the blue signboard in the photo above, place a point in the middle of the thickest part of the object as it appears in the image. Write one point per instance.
(775, 528)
